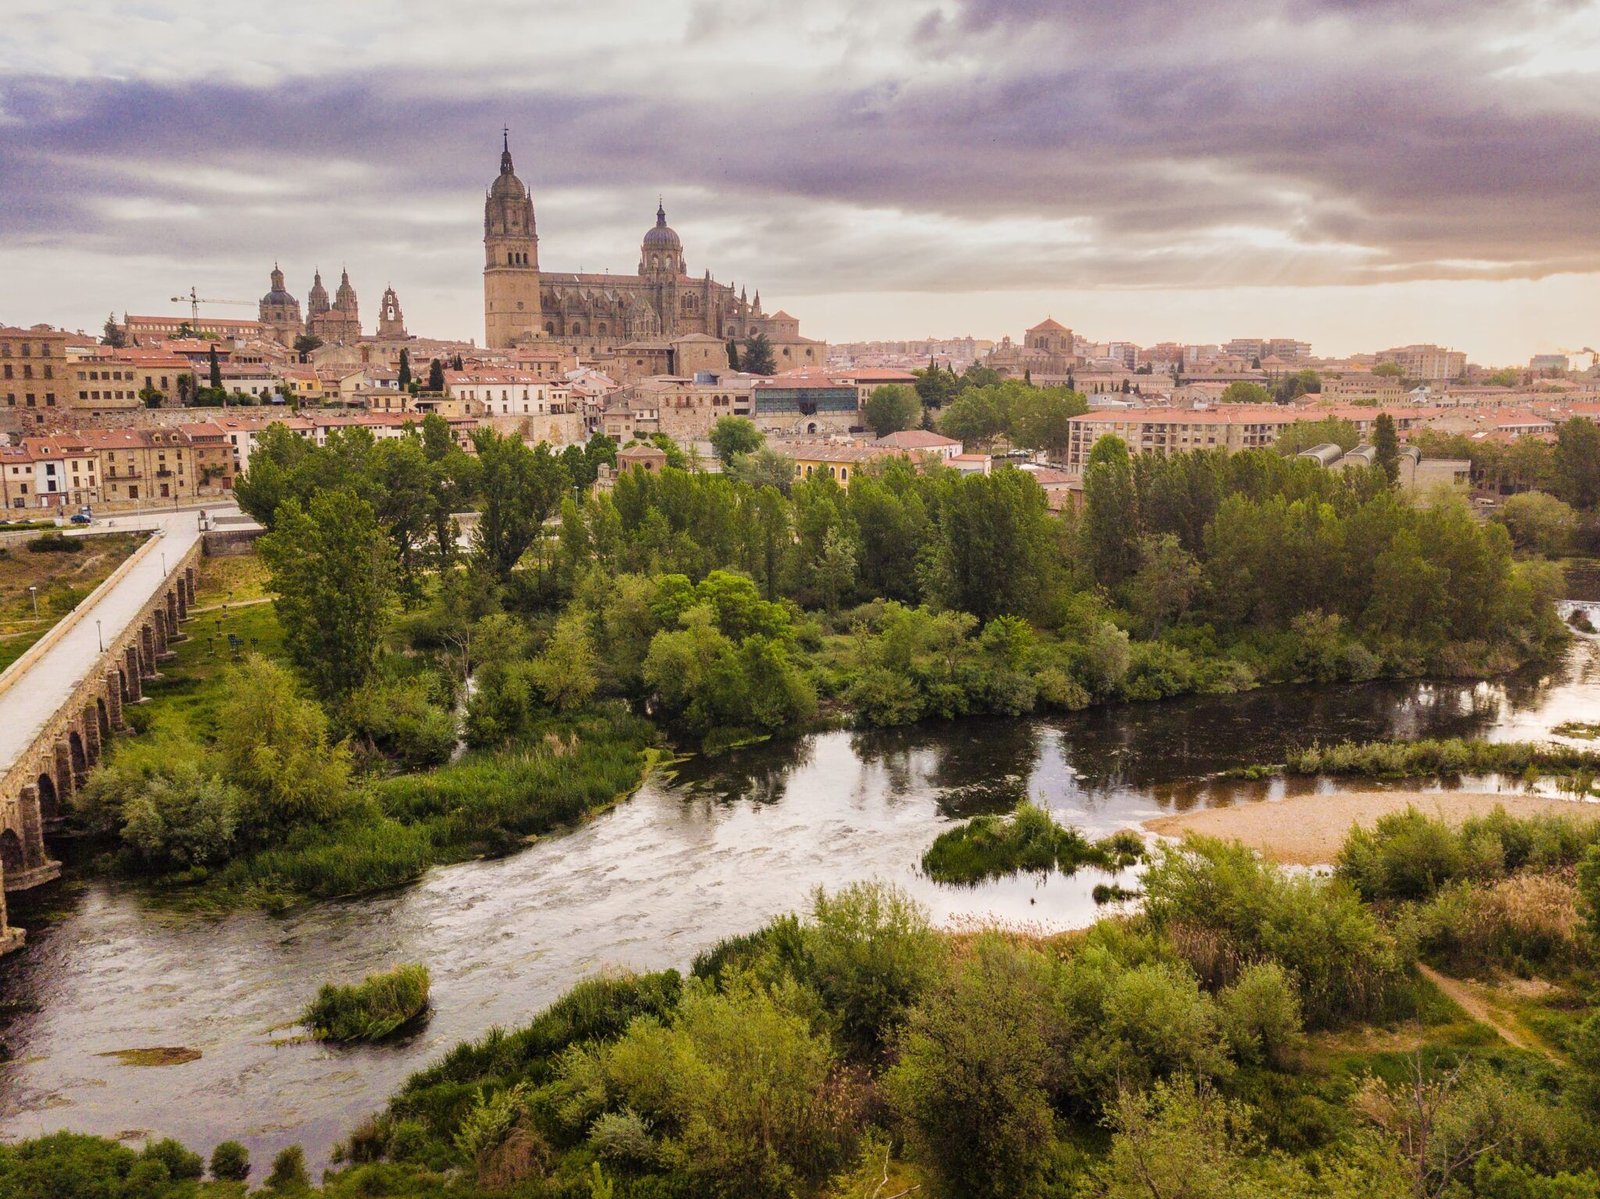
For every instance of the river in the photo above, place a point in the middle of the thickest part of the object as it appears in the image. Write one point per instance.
(691, 859)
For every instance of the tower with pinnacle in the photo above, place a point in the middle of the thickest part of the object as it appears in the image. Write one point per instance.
(510, 259)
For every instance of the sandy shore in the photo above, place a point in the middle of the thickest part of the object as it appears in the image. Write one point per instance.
(1307, 830)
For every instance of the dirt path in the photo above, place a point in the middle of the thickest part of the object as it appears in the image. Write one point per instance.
(1467, 998)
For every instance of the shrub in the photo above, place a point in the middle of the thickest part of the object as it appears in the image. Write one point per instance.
(1527, 922)
(180, 1163)
(185, 819)
(1260, 1015)
(230, 1162)
(288, 1176)
(55, 543)
(1344, 964)
(872, 955)
(1029, 839)
(372, 1009)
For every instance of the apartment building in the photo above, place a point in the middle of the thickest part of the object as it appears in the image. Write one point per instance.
(1429, 362)
(34, 377)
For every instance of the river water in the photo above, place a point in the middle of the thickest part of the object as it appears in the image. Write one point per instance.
(691, 859)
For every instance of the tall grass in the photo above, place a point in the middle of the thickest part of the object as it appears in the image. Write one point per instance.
(372, 1009)
(1404, 759)
(1029, 839)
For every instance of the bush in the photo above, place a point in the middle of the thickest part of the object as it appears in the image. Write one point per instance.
(1260, 1015)
(1526, 923)
(371, 1010)
(187, 819)
(289, 1175)
(230, 1162)
(1029, 839)
(872, 955)
(1344, 964)
(179, 1162)
(55, 543)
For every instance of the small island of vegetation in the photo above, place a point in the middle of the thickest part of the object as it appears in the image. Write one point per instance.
(1029, 839)
(377, 1007)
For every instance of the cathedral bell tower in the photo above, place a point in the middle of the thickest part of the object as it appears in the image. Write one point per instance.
(510, 260)
(661, 265)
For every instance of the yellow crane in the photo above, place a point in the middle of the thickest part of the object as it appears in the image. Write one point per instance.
(194, 300)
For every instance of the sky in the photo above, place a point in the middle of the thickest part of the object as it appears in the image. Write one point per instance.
(1355, 173)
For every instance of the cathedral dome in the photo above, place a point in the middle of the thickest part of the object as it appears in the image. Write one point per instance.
(279, 295)
(662, 236)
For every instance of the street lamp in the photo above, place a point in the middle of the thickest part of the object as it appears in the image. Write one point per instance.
(101, 636)
(34, 592)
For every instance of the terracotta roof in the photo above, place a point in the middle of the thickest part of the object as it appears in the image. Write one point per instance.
(1049, 325)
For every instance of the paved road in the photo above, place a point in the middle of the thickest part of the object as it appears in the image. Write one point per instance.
(27, 705)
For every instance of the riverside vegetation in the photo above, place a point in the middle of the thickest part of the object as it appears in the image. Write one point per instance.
(1029, 839)
(1250, 1032)
(373, 1009)
(577, 632)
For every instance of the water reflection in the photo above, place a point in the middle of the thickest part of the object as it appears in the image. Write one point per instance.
(708, 853)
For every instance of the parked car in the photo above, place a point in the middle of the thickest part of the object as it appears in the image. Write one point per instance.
(82, 518)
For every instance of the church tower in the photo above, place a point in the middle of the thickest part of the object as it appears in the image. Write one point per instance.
(661, 266)
(510, 260)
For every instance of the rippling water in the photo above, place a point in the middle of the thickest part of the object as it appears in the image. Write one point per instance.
(714, 851)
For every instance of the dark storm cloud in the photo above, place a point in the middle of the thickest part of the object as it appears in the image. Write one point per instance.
(1130, 144)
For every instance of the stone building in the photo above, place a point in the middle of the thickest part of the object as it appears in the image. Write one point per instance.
(280, 312)
(391, 321)
(603, 313)
(33, 376)
(336, 323)
(1047, 352)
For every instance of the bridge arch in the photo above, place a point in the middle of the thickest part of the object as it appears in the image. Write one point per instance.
(102, 720)
(80, 756)
(12, 859)
(49, 804)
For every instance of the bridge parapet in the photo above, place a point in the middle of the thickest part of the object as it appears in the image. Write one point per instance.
(37, 785)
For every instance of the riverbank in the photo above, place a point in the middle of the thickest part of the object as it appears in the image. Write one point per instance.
(1307, 830)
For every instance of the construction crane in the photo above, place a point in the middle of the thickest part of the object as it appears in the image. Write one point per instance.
(194, 300)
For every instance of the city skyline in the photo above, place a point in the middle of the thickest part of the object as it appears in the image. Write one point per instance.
(890, 171)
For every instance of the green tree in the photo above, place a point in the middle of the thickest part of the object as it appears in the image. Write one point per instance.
(273, 745)
(764, 468)
(995, 553)
(1111, 519)
(735, 435)
(404, 378)
(1577, 462)
(436, 376)
(305, 344)
(758, 359)
(230, 1162)
(1386, 443)
(733, 355)
(1160, 591)
(935, 387)
(521, 487)
(1538, 521)
(113, 334)
(1042, 419)
(1242, 392)
(1304, 434)
(891, 408)
(978, 1065)
(332, 569)
(215, 374)
(873, 955)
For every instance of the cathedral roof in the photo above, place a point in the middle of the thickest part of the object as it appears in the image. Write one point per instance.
(662, 234)
(1049, 325)
(507, 185)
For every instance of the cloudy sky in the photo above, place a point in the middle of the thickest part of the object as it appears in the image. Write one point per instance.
(1353, 172)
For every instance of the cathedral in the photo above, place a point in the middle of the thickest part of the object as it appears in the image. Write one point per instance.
(335, 322)
(660, 304)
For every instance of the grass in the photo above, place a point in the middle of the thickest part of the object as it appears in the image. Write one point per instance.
(373, 1009)
(1029, 839)
(1408, 759)
(158, 1055)
(1582, 730)
(63, 582)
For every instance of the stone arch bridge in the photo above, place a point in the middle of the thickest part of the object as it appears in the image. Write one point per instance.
(62, 701)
